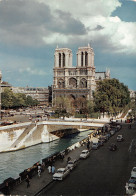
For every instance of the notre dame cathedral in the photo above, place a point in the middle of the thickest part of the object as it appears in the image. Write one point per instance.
(79, 81)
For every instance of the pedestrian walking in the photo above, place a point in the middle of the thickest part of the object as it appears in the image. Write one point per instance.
(49, 169)
(39, 173)
(53, 169)
(28, 181)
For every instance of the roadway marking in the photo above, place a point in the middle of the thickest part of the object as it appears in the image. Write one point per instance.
(130, 147)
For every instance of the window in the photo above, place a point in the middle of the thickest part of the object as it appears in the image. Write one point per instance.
(59, 59)
(86, 59)
(63, 60)
(82, 59)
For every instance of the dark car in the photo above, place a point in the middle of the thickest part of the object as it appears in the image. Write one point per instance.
(101, 142)
(113, 147)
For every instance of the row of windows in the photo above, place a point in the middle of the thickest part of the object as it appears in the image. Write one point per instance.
(62, 56)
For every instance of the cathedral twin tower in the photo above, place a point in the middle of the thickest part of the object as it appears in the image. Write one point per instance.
(72, 81)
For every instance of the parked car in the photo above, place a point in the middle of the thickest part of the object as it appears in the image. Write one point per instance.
(108, 135)
(61, 174)
(103, 138)
(84, 154)
(133, 172)
(113, 147)
(120, 138)
(101, 142)
(72, 163)
(95, 146)
(112, 132)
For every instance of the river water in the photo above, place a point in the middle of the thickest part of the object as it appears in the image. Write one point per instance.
(13, 163)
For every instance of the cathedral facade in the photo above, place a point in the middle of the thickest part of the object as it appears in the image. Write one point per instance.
(75, 82)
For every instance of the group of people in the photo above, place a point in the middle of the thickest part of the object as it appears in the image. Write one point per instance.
(51, 169)
(40, 169)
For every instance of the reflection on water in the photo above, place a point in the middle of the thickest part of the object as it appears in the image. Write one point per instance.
(13, 163)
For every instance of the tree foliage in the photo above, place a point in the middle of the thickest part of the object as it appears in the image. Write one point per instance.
(111, 96)
(16, 100)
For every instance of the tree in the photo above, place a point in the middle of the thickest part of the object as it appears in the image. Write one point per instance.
(15, 100)
(63, 106)
(111, 96)
(7, 98)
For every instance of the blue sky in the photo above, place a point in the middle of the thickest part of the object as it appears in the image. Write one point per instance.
(30, 30)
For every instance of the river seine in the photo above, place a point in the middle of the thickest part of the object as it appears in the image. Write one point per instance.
(13, 163)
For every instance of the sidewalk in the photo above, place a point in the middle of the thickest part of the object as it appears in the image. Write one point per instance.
(36, 183)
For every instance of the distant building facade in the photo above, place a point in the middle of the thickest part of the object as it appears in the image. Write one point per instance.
(102, 75)
(5, 85)
(79, 81)
(39, 93)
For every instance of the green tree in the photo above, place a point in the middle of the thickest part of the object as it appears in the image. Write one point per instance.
(7, 98)
(15, 100)
(111, 96)
(64, 106)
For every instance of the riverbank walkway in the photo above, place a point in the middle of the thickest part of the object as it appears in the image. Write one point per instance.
(37, 184)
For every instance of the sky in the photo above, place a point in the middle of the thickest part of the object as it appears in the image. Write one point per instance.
(30, 31)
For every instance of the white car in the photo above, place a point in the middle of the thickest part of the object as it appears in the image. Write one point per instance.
(120, 138)
(130, 189)
(84, 154)
(72, 164)
(61, 174)
(133, 172)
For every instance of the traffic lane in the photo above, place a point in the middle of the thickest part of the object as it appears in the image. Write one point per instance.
(103, 173)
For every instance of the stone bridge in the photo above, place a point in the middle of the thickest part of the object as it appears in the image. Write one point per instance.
(19, 136)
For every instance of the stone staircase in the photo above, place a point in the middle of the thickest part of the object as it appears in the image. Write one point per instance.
(35, 137)
(22, 136)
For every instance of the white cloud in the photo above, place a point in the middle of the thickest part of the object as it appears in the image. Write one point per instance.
(32, 71)
(36, 23)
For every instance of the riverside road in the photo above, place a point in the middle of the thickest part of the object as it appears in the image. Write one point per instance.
(104, 172)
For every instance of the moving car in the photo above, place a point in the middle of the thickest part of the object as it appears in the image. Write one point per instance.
(133, 172)
(113, 147)
(61, 174)
(130, 189)
(120, 138)
(132, 180)
(84, 154)
(72, 164)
